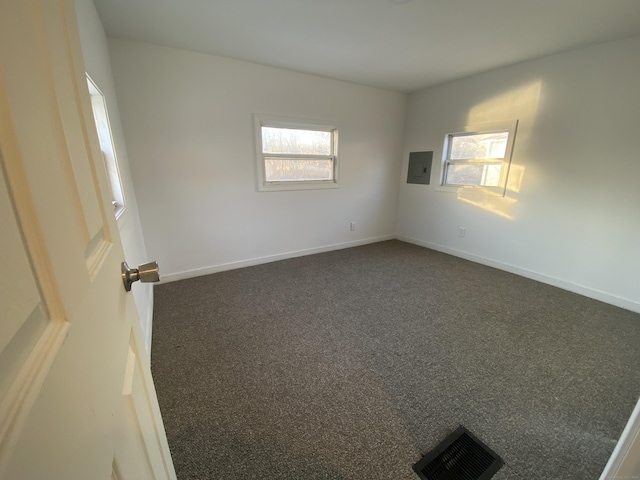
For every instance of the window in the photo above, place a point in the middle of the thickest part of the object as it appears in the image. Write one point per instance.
(479, 156)
(103, 127)
(295, 155)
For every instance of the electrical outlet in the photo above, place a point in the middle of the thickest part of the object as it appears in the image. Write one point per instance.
(352, 226)
(462, 231)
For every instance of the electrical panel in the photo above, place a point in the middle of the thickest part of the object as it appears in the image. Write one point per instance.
(420, 167)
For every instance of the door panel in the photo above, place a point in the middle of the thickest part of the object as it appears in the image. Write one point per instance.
(19, 294)
(73, 125)
(26, 330)
(74, 387)
(139, 417)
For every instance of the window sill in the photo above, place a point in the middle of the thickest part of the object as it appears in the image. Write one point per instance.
(472, 190)
(291, 186)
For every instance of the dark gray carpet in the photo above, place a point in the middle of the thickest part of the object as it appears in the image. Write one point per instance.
(351, 364)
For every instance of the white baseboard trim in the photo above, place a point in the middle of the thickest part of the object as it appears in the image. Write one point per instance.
(540, 277)
(172, 277)
(523, 272)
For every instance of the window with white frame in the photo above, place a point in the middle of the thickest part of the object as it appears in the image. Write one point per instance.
(479, 156)
(103, 127)
(295, 154)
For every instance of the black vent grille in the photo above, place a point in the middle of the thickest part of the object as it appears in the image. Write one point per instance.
(460, 456)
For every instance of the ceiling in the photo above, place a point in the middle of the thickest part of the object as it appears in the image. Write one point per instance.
(394, 44)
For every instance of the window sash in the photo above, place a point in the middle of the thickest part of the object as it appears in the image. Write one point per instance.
(453, 136)
(295, 156)
(502, 174)
(331, 158)
(306, 175)
(508, 127)
(293, 181)
(302, 128)
(493, 161)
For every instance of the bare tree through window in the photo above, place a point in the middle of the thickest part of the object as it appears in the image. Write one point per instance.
(297, 155)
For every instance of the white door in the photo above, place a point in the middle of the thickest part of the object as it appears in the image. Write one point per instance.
(77, 401)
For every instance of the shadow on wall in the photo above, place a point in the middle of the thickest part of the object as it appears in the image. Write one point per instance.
(521, 104)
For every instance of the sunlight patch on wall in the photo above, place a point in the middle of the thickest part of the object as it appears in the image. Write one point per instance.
(514, 182)
(518, 104)
(489, 202)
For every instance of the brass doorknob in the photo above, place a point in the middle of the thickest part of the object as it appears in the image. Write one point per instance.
(148, 272)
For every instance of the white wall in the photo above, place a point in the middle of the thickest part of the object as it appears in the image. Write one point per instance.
(188, 122)
(571, 216)
(96, 58)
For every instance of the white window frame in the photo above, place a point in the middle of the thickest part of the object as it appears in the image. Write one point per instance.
(487, 128)
(105, 138)
(261, 120)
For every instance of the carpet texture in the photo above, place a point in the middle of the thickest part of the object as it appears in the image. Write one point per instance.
(352, 364)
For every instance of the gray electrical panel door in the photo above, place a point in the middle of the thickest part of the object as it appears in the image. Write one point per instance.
(419, 167)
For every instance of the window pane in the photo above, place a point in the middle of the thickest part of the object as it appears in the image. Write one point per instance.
(103, 129)
(297, 170)
(292, 141)
(474, 174)
(485, 145)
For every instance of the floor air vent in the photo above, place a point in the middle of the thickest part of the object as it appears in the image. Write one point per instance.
(460, 456)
